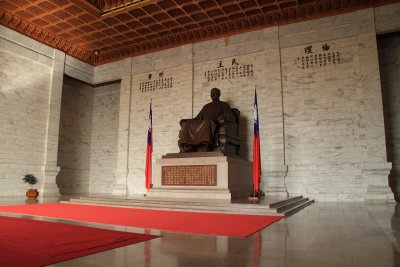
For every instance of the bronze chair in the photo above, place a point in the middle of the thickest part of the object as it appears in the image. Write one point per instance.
(228, 136)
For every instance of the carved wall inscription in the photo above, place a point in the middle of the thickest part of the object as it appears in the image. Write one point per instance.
(153, 84)
(314, 58)
(228, 72)
(189, 175)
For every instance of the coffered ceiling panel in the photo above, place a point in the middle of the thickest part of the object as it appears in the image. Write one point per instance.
(102, 31)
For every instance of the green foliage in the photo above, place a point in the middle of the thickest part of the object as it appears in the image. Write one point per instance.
(30, 179)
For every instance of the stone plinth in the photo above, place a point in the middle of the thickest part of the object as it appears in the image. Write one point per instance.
(203, 176)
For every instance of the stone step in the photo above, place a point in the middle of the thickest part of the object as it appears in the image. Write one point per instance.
(264, 207)
(297, 208)
(182, 206)
(287, 206)
(282, 203)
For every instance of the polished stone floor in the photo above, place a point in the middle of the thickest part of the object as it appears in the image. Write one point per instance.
(322, 234)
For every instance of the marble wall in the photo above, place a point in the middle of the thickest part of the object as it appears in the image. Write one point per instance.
(24, 97)
(334, 132)
(35, 65)
(74, 147)
(88, 138)
(104, 139)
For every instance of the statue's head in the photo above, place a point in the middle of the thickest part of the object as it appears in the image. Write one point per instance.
(215, 94)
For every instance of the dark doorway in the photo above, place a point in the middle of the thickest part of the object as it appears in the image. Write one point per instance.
(389, 65)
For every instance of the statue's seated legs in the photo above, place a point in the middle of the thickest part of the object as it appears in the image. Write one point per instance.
(188, 148)
(203, 146)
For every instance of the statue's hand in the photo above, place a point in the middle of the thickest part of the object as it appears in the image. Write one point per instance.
(182, 122)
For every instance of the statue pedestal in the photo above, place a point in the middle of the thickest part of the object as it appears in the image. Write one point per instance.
(201, 176)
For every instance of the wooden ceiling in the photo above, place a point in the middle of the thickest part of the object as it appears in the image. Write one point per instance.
(102, 31)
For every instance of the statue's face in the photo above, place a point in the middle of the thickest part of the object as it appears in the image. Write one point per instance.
(214, 95)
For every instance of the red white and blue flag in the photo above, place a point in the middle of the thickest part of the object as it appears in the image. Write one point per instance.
(149, 151)
(256, 147)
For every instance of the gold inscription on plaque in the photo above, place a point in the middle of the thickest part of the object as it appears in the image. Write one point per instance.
(189, 175)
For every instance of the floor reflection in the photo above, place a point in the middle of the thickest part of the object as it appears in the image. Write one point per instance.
(323, 234)
(31, 200)
(395, 225)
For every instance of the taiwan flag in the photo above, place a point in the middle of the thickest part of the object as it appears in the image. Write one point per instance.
(149, 151)
(256, 148)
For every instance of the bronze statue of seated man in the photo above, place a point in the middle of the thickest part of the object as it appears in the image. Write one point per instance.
(201, 131)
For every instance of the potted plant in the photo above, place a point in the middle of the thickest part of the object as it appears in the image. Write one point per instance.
(32, 180)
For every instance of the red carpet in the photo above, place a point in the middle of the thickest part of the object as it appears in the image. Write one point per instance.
(191, 222)
(31, 243)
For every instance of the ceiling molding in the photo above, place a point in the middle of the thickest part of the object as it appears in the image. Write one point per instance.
(138, 27)
(287, 16)
(22, 26)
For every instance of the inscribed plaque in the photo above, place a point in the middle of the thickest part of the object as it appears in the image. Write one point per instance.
(189, 175)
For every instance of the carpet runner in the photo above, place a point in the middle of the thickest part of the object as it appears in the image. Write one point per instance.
(239, 225)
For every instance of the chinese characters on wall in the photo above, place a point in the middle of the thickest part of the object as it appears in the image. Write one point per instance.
(228, 71)
(153, 84)
(317, 57)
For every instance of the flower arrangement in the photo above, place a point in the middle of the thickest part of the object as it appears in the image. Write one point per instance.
(30, 179)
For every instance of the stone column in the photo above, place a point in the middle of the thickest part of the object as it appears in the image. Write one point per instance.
(49, 186)
(273, 140)
(121, 173)
(377, 169)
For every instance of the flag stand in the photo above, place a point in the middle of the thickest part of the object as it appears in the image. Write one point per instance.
(255, 196)
(145, 194)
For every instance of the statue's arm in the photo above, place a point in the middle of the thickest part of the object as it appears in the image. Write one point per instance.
(200, 115)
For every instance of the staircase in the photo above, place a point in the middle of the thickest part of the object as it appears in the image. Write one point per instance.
(284, 207)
